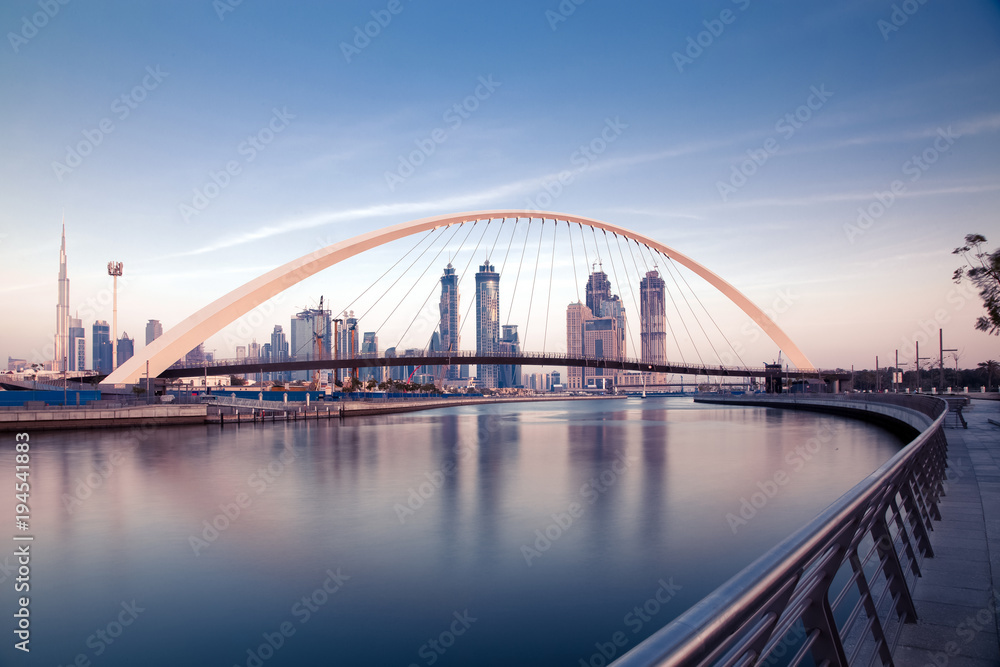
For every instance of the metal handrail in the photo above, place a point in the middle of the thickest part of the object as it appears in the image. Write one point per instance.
(719, 630)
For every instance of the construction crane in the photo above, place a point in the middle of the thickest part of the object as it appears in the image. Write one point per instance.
(318, 339)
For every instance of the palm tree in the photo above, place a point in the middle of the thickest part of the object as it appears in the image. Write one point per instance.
(992, 368)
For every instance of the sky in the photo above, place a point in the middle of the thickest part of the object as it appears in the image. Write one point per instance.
(824, 158)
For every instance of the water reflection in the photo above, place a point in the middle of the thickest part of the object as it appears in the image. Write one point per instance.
(428, 514)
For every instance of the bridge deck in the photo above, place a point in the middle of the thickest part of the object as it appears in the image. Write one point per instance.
(958, 594)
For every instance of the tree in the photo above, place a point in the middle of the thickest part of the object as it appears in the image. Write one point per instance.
(992, 368)
(236, 381)
(983, 269)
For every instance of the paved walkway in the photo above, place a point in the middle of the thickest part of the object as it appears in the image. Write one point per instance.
(958, 596)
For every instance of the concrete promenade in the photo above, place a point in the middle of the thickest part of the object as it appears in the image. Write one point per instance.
(958, 594)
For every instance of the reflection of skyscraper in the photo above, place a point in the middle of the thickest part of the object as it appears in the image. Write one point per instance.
(450, 325)
(653, 318)
(510, 374)
(153, 331)
(487, 322)
(100, 343)
(62, 351)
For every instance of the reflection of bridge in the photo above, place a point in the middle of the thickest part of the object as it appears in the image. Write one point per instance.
(242, 366)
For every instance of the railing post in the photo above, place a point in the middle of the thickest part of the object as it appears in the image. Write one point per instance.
(895, 579)
(828, 648)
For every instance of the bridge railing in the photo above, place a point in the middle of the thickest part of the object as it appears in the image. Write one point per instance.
(453, 358)
(839, 587)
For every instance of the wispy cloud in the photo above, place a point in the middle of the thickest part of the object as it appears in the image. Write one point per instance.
(813, 200)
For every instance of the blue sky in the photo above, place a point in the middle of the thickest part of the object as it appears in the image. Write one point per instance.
(198, 81)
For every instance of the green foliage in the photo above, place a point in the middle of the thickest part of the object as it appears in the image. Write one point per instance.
(982, 267)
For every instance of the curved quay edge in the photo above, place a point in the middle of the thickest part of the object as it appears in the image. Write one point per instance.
(225, 310)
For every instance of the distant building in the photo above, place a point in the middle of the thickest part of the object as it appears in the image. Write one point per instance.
(279, 352)
(450, 319)
(509, 375)
(196, 357)
(576, 314)
(487, 323)
(241, 352)
(348, 343)
(369, 350)
(77, 345)
(308, 328)
(126, 348)
(101, 347)
(16, 365)
(653, 319)
(153, 331)
(600, 341)
(62, 354)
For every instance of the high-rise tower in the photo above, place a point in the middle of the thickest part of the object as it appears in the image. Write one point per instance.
(487, 323)
(450, 318)
(653, 318)
(62, 351)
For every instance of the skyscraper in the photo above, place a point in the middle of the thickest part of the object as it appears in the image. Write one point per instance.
(576, 314)
(62, 350)
(450, 325)
(126, 348)
(510, 374)
(100, 343)
(309, 327)
(603, 303)
(653, 318)
(369, 350)
(279, 351)
(153, 331)
(487, 323)
(77, 345)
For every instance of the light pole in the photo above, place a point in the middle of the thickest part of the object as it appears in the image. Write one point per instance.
(941, 361)
(114, 270)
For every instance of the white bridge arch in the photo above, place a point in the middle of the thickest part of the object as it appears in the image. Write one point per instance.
(225, 310)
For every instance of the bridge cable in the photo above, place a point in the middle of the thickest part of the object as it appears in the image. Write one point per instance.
(669, 265)
(586, 258)
(573, 255)
(665, 319)
(552, 266)
(472, 301)
(472, 256)
(440, 232)
(621, 301)
(667, 290)
(534, 279)
(434, 287)
(724, 337)
(517, 279)
(419, 278)
(631, 288)
(426, 236)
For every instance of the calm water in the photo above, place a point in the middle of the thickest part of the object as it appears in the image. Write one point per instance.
(411, 539)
